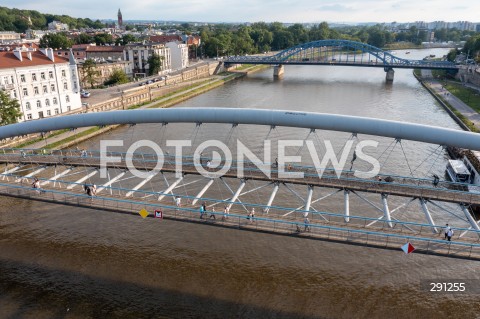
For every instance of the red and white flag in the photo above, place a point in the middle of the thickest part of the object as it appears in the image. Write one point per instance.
(408, 248)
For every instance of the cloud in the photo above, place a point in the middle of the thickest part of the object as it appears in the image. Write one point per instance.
(260, 10)
(334, 8)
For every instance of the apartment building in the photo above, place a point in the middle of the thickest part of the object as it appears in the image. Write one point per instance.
(138, 54)
(44, 84)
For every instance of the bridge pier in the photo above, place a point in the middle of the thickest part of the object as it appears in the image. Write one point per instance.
(278, 71)
(390, 74)
(237, 193)
(346, 194)
(308, 201)
(272, 196)
(423, 203)
(471, 220)
(386, 210)
(204, 189)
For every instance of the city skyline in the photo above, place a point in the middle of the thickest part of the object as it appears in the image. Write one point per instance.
(303, 11)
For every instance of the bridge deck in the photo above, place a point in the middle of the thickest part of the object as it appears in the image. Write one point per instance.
(379, 236)
(412, 188)
(341, 63)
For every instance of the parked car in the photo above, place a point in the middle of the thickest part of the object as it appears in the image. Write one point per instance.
(85, 94)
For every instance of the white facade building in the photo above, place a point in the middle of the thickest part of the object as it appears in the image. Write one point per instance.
(138, 54)
(44, 84)
(58, 26)
(9, 37)
(179, 53)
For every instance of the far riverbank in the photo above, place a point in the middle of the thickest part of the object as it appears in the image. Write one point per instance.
(167, 97)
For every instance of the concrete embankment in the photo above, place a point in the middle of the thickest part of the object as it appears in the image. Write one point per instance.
(442, 103)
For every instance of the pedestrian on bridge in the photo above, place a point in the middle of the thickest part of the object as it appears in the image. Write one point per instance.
(225, 212)
(447, 230)
(251, 216)
(203, 209)
(178, 201)
(306, 221)
(36, 183)
(212, 214)
(449, 234)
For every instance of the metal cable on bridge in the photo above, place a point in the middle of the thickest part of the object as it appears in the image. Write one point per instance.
(303, 142)
(193, 135)
(436, 159)
(318, 139)
(251, 169)
(427, 157)
(352, 136)
(388, 156)
(163, 134)
(394, 141)
(406, 159)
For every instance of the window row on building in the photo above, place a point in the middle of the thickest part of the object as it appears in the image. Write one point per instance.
(45, 89)
(39, 104)
(42, 76)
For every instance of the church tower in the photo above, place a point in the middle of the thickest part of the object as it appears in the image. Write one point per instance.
(120, 20)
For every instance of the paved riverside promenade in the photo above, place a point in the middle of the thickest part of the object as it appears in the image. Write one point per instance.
(459, 105)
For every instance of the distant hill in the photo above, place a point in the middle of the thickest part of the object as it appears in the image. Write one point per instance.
(20, 20)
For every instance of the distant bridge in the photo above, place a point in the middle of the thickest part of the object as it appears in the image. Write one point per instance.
(339, 52)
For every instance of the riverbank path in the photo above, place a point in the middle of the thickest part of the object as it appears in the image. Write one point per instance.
(455, 102)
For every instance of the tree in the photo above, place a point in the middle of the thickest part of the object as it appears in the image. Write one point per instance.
(103, 38)
(126, 39)
(9, 109)
(118, 76)
(84, 38)
(452, 55)
(154, 64)
(90, 72)
(55, 41)
(377, 38)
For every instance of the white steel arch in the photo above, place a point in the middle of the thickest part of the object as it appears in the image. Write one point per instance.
(332, 122)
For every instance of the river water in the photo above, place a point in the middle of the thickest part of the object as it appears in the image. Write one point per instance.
(67, 262)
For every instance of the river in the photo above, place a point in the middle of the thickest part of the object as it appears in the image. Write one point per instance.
(67, 262)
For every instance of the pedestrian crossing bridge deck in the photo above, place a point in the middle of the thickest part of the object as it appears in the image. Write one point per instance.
(400, 185)
(331, 227)
(389, 223)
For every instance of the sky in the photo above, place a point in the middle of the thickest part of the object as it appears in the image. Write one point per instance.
(302, 11)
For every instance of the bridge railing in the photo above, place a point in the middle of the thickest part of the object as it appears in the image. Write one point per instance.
(309, 230)
(253, 167)
(286, 213)
(458, 191)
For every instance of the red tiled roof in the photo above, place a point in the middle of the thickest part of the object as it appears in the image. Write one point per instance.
(165, 38)
(9, 60)
(116, 48)
(20, 45)
(193, 40)
(80, 47)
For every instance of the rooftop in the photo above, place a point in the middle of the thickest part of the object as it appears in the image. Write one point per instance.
(9, 60)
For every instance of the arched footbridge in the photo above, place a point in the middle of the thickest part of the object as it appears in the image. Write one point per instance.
(339, 53)
(382, 210)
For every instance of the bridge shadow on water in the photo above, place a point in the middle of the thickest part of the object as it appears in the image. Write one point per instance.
(55, 293)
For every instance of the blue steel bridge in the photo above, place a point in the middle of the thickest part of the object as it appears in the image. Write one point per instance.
(339, 53)
(385, 213)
